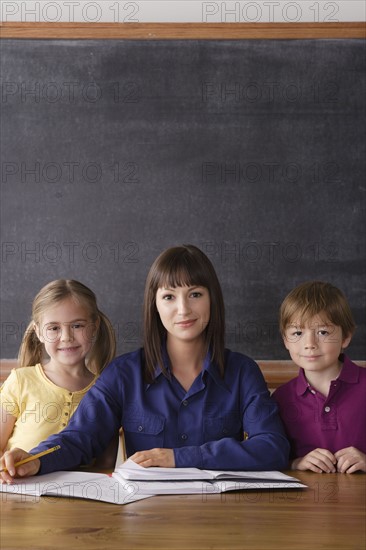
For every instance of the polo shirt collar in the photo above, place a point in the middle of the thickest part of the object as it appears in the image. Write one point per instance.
(349, 374)
(302, 385)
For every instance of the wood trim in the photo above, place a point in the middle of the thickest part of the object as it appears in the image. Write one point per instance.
(182, 31)
(5, 367)
(278, 372)
(275, 373)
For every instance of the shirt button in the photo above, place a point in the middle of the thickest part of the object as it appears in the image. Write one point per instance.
(140, 429)
(70, 393)
(64, 425)
(66, 414)
(185, 403)
(327, 409)
(184, 437)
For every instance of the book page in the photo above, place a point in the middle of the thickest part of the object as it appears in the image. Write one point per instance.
(105, 489)
(189, 487)
(36, 485)
(252, 485)
(92, 486)
(260, 476)
(169, 487)
(130, 470)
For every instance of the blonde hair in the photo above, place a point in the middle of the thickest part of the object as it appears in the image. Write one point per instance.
(32, 350)
(314, 297)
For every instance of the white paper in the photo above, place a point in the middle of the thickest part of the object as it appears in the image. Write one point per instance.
(75, 485)
(203, 487)
(130, 470)
(118, 489)
(168, 481)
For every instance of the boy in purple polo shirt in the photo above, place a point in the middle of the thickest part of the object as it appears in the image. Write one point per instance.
(324, 408)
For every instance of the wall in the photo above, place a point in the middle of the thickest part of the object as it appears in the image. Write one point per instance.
(258, 11)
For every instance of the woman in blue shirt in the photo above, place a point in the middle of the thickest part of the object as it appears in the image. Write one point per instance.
(183, 400)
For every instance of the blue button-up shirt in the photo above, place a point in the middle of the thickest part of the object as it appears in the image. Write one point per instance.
(228, 423)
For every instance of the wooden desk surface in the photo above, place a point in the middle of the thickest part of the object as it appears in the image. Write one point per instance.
(330, 514)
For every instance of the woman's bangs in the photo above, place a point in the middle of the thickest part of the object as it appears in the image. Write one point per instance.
(181, 274)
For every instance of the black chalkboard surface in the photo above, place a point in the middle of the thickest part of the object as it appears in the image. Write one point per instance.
(114, 150)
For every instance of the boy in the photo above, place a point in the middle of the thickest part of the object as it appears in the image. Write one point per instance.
(324, 408)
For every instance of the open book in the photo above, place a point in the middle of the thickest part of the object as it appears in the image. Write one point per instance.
(162, 481)
(131, 482)
(74, 485)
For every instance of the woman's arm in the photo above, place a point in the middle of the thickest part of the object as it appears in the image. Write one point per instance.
(264, 445)
(266, 450)
(244, 394)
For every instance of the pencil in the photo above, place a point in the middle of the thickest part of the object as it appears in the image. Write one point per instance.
(33, 457)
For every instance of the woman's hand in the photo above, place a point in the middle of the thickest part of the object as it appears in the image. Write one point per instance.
(350, 460)
(8, 461)
(318, 460)
(155, 457)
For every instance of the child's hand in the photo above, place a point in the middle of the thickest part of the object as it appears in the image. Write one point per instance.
(155, 457)
(8, 461)
(318, 460)
(350, 460)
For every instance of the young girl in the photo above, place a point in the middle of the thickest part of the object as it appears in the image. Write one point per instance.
(68, 343)
(324, 408)
(182, 400)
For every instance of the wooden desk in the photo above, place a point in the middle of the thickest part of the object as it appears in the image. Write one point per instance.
(328, 515)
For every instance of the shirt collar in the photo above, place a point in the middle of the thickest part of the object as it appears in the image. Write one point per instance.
(213, 371)
(302, 385)
(209, 369)
(158, 370)
(349, 374)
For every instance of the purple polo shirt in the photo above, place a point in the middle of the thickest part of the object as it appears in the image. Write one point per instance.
(333, 422)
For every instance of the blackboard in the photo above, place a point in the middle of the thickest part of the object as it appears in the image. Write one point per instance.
(112, 150)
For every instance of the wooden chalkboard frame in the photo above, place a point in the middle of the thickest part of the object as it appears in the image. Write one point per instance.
(182, 31)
